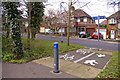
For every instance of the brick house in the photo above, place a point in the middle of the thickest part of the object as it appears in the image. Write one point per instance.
(113, 26)
(80, 21)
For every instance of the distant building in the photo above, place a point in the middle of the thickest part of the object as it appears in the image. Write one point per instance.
(44, 27)
(113, 26)
(103, 22)
(80, 21)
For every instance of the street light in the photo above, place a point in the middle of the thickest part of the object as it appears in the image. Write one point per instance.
(61, 21)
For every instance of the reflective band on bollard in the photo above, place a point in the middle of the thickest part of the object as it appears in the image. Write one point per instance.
(56, 61)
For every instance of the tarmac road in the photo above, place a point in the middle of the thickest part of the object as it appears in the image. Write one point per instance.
(83, 42)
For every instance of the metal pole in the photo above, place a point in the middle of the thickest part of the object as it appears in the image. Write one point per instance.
(118, 6)
(98, 33)
(61, 22)
(56, 58)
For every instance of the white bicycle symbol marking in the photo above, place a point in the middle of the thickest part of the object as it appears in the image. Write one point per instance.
(66, 57)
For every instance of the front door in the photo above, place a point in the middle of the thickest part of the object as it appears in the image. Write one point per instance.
(112, 32)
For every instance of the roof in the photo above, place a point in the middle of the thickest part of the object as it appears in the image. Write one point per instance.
(80, 13)
(104, 22)
(115, 15)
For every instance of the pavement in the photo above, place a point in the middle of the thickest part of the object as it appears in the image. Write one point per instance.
(82, 63)
(30, 70)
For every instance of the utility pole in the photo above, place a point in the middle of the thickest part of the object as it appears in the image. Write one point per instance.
(68, 26)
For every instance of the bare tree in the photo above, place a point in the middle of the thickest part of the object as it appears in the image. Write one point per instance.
(114, 3)
(52, 20)
(71, 3)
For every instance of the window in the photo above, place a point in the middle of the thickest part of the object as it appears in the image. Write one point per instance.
(119, 32)
(95, 33)
(112, 21)
(82, 32)
(85, 19)
(75, 19)
(91, 21)
(118, 25)
(81, 19)
(78, 20)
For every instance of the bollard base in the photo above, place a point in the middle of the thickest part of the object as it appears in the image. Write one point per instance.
(56, 71)
(61, 41)
(59, 72)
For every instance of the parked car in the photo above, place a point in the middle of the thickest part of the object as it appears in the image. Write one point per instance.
(84, 34)
(50, 32)
(95, 35)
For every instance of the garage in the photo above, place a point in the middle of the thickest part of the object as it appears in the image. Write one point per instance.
(103, 32)
(90, 30)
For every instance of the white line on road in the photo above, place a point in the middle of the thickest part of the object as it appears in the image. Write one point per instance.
(84, 57)
(106, 64)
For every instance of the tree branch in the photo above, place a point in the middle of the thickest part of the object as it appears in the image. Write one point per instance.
(84, 5)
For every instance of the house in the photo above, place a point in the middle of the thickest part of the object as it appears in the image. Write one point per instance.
(103, 22)
(113, 26)
(44, 27)
(80, 21)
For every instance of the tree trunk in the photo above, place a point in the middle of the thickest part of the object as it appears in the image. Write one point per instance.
(33, 33)
(8, 32)
(68, 27)
(29, 20)
(16, 37)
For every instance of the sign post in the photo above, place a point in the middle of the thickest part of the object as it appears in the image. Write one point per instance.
(98, 18)
(56, 58)
(98, 32)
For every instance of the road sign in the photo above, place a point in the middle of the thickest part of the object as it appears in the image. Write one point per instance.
(100, 17)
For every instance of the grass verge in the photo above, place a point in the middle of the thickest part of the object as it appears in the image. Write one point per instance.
(39, 49)
(112, 70)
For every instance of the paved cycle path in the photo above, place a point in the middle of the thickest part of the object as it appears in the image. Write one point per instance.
(80, 63)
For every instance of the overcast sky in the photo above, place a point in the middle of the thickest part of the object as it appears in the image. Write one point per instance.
(94, 8)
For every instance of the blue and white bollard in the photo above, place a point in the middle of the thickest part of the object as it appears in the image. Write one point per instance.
(56, 58)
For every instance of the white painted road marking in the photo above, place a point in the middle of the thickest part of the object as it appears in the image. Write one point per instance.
(100, 55)
(106, 64)
(63, 56)
(91, 62)
(82, 51)
(66, 57)
(84, 57)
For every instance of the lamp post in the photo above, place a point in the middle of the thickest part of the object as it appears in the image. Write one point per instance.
(61, 21)
(69, 14)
